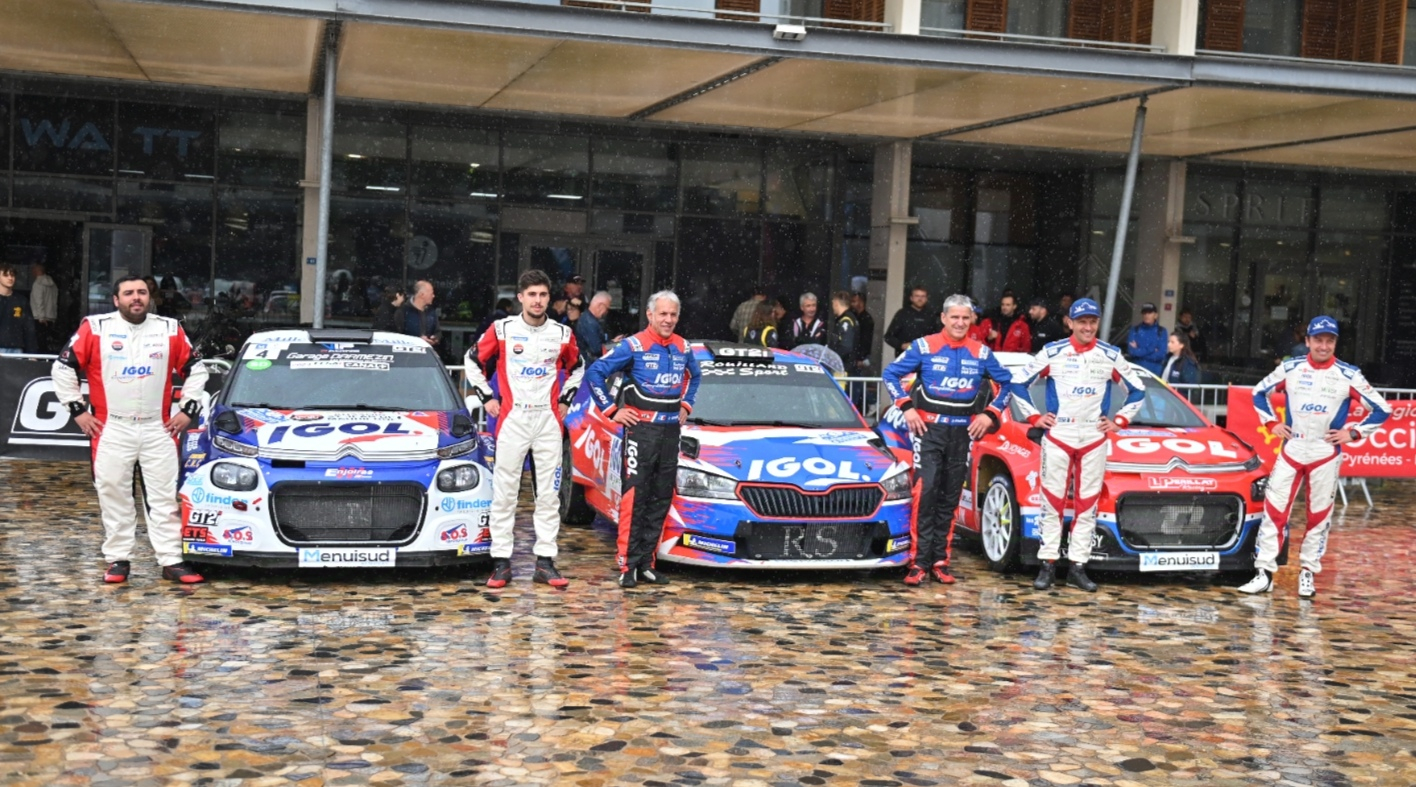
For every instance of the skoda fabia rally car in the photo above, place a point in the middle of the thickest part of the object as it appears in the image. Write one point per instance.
(776, 470)
(1180, 493)
(335, 448)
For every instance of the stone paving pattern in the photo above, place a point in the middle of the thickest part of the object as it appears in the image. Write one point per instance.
(276, 678)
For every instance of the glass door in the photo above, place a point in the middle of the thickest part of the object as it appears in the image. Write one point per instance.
(111, 252)
(1280, 261)
(621, 271)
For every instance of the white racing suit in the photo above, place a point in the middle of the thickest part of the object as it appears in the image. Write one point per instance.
(1079, 382)
(1319, 399)
(129, 369)
(527, 361)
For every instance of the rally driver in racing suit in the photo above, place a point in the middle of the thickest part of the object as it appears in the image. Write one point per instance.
(528, 353)
(1314, 428)
(659, 385)
(129, 357)
(941, 414)
(1079, 373)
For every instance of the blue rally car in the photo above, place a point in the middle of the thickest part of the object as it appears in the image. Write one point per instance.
(332, 449)
(776, 470)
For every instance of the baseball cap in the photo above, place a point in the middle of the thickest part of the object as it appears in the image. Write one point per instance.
(1322, 324)
(576, 279)
(1085, 307)
(1039, 302)
(1148, 307)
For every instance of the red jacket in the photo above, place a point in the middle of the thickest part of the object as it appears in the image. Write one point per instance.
(1017, 339)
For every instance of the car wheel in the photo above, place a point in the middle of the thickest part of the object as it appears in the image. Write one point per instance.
(1000, 524)
(573, 509)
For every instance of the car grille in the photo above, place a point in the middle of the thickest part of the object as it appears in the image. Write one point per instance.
(1178, 520)
(783, 502)
(773, 541)
(324, 513)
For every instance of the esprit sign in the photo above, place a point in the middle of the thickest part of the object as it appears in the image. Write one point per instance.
(88, 137)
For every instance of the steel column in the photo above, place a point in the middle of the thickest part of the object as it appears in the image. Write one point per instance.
(1118, 248)
(326, 174)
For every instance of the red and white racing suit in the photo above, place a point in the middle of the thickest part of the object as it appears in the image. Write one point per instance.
(1320, 397)
(527, 361)
(1079, 379)
(129, 369)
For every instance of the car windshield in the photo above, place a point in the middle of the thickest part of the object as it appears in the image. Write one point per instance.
(794, 394)
(1162, 407)
(317, 377)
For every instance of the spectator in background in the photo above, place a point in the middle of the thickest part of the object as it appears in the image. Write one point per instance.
(44, 306)
(978, 324)
(1009, 332)
(866, 322)
(590, 333)
(574, 310)
(913, 321)
(844, 336)
(1186, 322)
(502, 310)
(419, 316)
(806, 329)
(574, 287)
(386, 318)
(761, 328)
(1181, 365)
(1300, 343)
(17, 334)
(1147, 341)
(1044, 327)
(557, 311)
(742, 315)
(1064, 308)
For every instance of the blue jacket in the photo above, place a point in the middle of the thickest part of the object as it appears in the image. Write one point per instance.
(1183, 372)
(1149, 350)
(660, 376)
(949, 378)
(418, 323)
(590, 335)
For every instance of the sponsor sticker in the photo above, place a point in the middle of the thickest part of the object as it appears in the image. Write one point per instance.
(195, 460)
(239, 535)
(328, 557)
(966, 499)
(214, 550)
(809, 368)
(479, 548)
(399, 348)
(195, 533)
(358, 365)
(898, 544)
(349, 473)
(1181, 482)
(720, 545)
(203, 517)
(456, 534)
(450, 504)
(1179, 561)
(258, 364)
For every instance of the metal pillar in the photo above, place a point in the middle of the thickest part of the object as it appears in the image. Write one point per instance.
(326, 174)
(1118, 248)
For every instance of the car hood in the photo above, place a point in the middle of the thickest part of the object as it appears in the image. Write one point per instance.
(1164, 449)
(806, 458)
(316, 434)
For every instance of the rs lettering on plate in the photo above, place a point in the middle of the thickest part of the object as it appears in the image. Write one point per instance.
(811, 543)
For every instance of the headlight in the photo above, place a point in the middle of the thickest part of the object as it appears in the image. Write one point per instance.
(458, 479)
(1253, 463)
(1259, 487)
(897, 486)
(232, 447)
(457, 449)
(234, 477)
(696, 483)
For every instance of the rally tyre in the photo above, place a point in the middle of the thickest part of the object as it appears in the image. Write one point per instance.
(573, 509)
(1000, 524)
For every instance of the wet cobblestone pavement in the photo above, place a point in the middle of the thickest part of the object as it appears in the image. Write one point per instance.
(274, 678)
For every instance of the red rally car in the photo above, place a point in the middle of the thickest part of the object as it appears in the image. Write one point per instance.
(1181, 494)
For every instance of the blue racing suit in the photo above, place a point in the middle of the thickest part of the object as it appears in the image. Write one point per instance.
(660, 377)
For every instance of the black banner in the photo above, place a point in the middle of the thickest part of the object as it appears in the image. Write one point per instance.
(33, 425)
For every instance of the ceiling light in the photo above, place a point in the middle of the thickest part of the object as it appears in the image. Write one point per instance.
(383, 188)
(563, 196)
(354, 155)
(485, 194)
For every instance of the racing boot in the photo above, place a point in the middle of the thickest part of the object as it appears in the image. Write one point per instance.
(1307, 587)
(501, 573)
(181, 572)
(1077, 578)
(939, 572)
(116, 572)
(915, 576)
(1046, 576)
(629, 578)
(1261, 583)
(651, 576)
(546, 573)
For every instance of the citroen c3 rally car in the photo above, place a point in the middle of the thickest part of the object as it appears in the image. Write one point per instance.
(335, 448)
(776, 470)
(1180, 493)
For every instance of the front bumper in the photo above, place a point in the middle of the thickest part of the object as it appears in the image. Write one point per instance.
(725, 536)
(292, 559)
(1109, 554)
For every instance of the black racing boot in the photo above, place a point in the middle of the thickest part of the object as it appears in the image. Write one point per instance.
(1077, 578)
(651, 576)
(501, 573)
(117, 572)
(1046, 576)
(546, 573)
(629, 578)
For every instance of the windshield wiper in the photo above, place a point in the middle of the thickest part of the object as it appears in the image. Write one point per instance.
(355, 406)
(707, 422)
(1155, 423)
(788, 424)
(262, 405)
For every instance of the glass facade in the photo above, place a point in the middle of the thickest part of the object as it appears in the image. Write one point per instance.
(203, 188)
